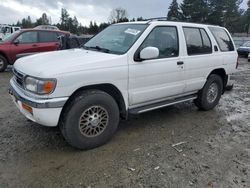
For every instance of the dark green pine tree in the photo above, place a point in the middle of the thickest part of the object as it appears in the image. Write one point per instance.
(216, 14)
(248, 18)
(174, 12)
(194, 10)
(232, 14)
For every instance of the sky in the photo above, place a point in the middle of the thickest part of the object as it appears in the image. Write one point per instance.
(85, 10)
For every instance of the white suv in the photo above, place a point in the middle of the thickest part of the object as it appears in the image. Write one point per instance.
(128, 68)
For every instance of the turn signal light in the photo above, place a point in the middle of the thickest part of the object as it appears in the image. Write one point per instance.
(48, 86)
(27, 108)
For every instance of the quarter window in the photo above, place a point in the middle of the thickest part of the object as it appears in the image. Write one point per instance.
(27, 37)
(46, 36)
(222, 38)
(165, 38)
(197, 40)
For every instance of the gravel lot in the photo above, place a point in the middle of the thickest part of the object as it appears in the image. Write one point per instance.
(216, 152)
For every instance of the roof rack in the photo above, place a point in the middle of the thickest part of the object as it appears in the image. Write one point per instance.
(165, 19)
(156, 19)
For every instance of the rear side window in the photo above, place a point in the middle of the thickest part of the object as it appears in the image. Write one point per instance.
(197, 41)
(46, 36)
(222, 38)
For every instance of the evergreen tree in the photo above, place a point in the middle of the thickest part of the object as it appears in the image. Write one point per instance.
(226, 13)
(64, 19)
(194, 10)
(247, 19)
(174, 11)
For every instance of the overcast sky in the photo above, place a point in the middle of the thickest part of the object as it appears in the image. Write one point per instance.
(85, 10)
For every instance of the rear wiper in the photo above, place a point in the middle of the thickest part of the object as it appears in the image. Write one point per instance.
(97, 48)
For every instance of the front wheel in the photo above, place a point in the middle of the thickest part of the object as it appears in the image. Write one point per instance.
(211, 93)
(90, 119)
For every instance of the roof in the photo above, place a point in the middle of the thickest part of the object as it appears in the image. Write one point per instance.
(155, 21)
(52, 30)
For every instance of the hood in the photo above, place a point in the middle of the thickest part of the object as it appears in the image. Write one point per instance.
(50, 64)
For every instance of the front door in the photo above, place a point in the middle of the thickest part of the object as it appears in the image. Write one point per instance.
(159, 78)
(26, 43)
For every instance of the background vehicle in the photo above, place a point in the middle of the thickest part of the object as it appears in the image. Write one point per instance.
(128, 68)
(244, 50)
(48, 27)
(6, 30)
(27, 42)
(73, 41)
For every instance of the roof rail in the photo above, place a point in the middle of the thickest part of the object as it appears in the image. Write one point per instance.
(157, 19)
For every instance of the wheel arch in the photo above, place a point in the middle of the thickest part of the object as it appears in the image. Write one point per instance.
(222, 73)
(108, 88)
(6, 57)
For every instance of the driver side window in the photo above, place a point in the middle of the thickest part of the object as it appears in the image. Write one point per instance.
(27, 37)
(165, 38)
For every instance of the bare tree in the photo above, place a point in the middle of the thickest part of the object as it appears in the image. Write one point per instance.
(118, 15)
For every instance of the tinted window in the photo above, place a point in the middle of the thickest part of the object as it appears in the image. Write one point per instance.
(46, 36)
(27, 37)
(197, 41)
(222, 39)
(165, 39)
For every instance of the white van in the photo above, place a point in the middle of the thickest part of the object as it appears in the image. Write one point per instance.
(6, 30)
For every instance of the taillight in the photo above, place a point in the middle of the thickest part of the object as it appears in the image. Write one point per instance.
(237, 63)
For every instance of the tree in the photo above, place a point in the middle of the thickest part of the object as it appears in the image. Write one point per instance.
(64, 19)
(226, 13)
(194, 10)
(44, 20)
(247, 19)
(118, 15)
(174, 11)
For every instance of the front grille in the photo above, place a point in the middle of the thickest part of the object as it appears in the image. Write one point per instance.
(19, 78)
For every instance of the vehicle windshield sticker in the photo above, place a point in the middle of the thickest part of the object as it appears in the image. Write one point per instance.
(132, 31)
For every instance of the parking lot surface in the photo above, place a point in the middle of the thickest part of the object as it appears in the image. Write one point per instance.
(213, 150)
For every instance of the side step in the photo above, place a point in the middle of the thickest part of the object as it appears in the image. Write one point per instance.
(162, 104)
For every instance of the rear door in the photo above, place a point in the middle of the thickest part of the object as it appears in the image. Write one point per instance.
(48, 41)
(25, 43)
(199, 58)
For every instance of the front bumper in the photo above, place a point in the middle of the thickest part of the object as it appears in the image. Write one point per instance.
(44, 111)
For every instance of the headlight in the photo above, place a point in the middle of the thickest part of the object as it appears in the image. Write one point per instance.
(40, 86)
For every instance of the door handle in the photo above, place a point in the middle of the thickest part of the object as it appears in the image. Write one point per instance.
(180, 62)
(34, 45)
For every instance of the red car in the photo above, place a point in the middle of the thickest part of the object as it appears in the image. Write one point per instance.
(27, 42)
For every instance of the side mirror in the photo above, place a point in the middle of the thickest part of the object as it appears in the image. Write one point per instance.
(16, 42)
(149, 53)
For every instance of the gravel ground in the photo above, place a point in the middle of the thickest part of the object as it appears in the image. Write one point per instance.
(215, 152)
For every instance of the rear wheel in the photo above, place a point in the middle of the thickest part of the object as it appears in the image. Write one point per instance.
(90, 119)
(3, 63)
(211, 93)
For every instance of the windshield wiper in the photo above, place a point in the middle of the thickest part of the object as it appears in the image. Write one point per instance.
(97, 48)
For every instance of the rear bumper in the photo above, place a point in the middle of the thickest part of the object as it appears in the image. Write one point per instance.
(44, 111)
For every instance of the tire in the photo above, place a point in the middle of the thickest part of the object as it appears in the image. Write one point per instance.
(3, 63)
(80, 125)
(207, 99)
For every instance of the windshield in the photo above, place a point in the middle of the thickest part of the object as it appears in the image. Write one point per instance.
(246, 44)
(116, 39)
(9, 37)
